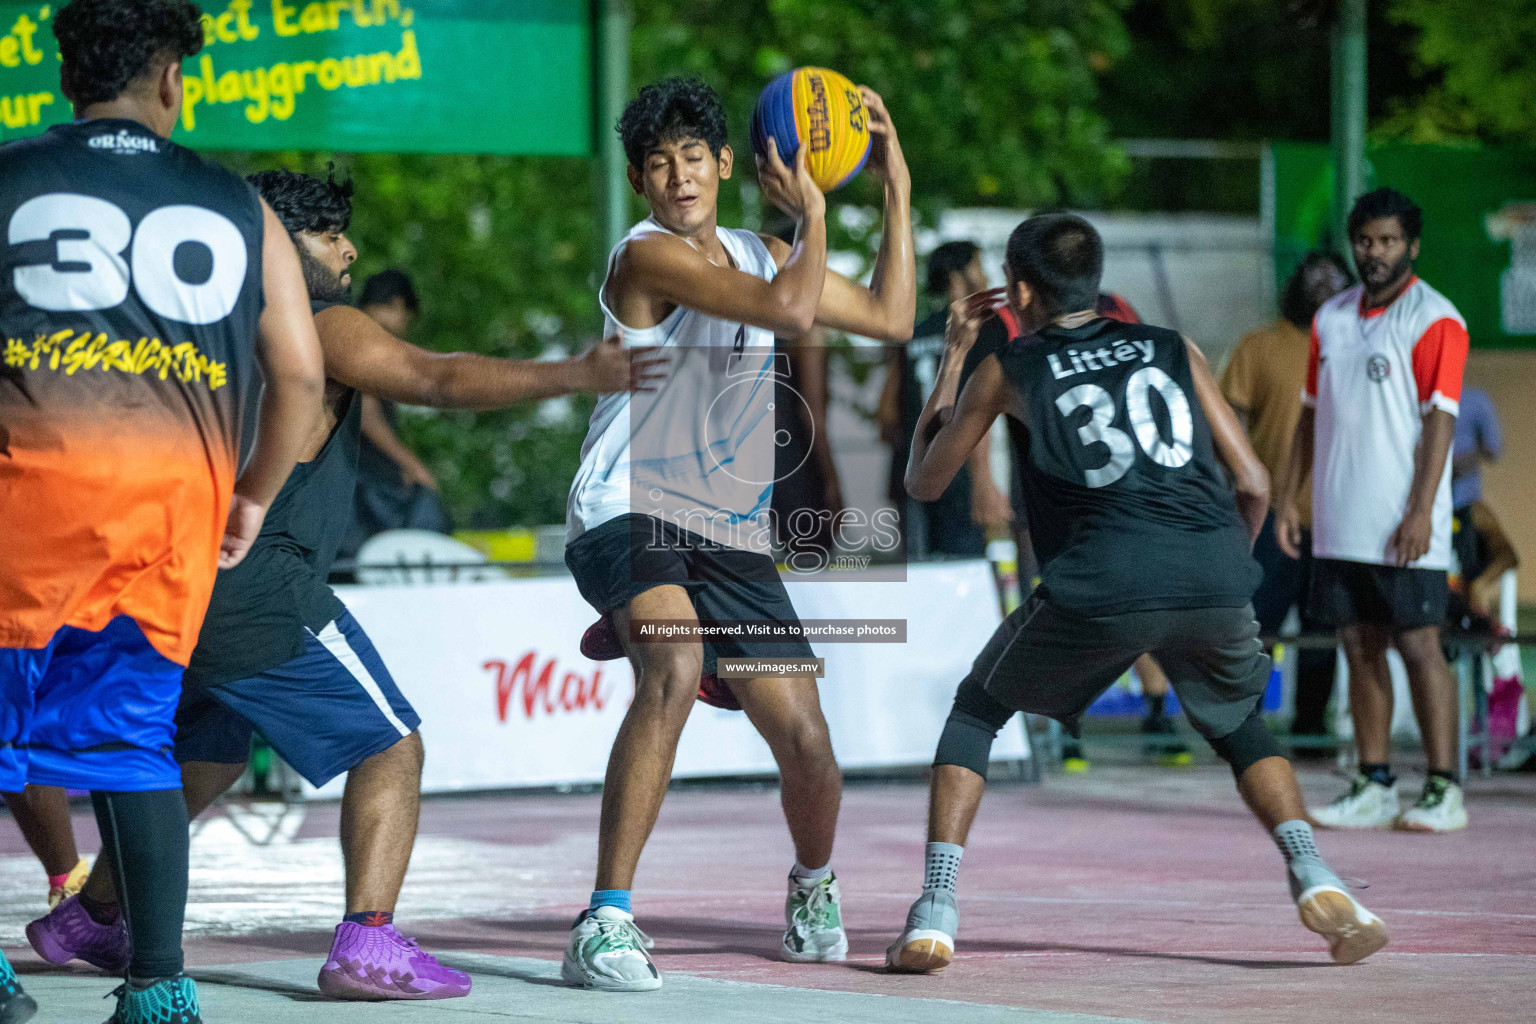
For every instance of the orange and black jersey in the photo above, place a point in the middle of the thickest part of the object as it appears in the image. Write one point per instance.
(130, 291)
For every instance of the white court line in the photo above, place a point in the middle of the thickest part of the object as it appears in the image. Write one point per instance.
(1225, 954)
(1102, 901)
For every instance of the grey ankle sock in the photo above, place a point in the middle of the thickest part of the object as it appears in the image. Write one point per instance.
(809, 878)
(941, 865)
(1306, 868)
(1294, 838)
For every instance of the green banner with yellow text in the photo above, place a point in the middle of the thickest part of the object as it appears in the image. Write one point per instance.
(406, 76)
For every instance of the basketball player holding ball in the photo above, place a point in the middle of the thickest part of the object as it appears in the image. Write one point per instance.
(674, 486)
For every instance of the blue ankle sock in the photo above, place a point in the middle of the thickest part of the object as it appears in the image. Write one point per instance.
(610, 898)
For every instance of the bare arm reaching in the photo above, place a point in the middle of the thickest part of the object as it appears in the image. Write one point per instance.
(885, 310)
(937, 457)
(1248, 474)
(291, 406)
(934, 464)
(361, 354)
(665, 269)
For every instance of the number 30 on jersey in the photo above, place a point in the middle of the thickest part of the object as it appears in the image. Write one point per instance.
(1138, 407)
(98, 254)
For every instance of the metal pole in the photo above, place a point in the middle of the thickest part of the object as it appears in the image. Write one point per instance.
(1348, 115)
(613, 20)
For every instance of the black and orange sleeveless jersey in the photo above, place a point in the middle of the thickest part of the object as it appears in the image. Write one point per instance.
(130, 290)
(1129, 507)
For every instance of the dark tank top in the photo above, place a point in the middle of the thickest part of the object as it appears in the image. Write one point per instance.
(1129, 507)
(264, 608)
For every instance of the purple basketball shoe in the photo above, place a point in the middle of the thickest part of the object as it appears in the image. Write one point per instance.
(380, 963)
(68, 933)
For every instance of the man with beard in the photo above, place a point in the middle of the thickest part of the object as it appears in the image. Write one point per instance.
(1382, 394)
(279, 652)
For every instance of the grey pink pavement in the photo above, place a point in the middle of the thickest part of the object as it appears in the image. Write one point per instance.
(1131, 894)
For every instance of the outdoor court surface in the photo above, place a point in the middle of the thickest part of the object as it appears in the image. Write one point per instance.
(1131, 894)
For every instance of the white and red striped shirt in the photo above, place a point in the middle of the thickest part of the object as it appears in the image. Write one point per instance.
(1372, 377)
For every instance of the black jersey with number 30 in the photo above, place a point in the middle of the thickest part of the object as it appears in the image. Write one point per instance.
(1129, 507)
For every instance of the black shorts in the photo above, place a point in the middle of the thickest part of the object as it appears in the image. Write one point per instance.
(625, 557)
(1047, 661)
(1396, 597)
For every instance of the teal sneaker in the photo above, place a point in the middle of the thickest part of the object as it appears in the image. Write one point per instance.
(608, 952)
(813, 921)
(15, 1005)
(168, 1001)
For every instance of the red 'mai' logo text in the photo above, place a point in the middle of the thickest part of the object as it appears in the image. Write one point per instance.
(535, 690)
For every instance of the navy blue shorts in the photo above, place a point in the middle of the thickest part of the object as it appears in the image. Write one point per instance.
(324, 712)
(89, 711)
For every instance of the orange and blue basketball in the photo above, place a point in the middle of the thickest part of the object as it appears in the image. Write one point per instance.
(818, 108)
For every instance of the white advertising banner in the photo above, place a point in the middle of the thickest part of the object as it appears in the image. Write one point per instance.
(506, 699)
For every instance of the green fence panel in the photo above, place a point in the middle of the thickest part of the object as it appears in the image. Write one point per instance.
(430, 76)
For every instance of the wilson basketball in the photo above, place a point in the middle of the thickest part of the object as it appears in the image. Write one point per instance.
(820, 109)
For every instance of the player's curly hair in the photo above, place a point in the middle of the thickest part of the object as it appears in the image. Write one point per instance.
(1387, 202)
(109, 44)
(305, 203)
(674, 108)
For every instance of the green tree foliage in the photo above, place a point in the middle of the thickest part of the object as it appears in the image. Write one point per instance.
(501, 250)
(994, 99)
(1484, 55)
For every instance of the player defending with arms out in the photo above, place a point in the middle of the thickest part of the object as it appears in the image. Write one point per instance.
(667, 502)
(279, 652)
(139, 289)
(1144, 549)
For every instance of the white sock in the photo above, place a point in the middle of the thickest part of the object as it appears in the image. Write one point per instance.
(808, 878)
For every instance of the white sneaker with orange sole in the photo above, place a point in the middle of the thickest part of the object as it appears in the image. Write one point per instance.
(927, 944)
(1353, 933)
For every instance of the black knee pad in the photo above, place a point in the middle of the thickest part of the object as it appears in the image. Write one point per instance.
(967, 742)
(973, 724)
(1246, 745)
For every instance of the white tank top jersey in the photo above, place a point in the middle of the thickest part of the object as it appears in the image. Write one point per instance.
(1372, 377)
(699, 451)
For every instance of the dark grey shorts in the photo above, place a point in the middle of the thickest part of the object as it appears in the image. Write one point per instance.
(1396, 597)
(1048, 661)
